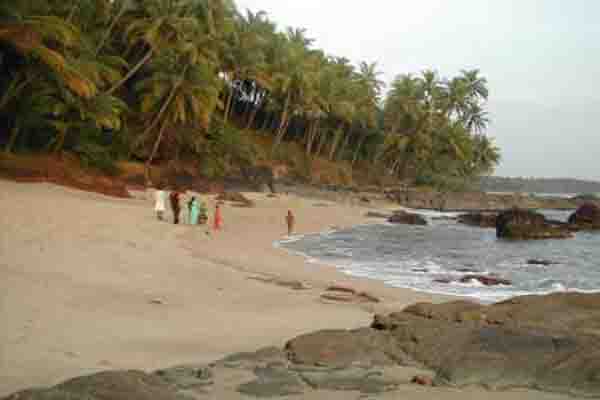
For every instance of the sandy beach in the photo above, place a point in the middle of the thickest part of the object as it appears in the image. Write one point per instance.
(91, 283)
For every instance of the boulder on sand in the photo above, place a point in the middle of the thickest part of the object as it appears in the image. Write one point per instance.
(586, 217)
(524, 224)
(482, 220)
(403, 217)
(237, 198)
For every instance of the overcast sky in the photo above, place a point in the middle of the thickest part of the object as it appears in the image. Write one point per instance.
(541, 57)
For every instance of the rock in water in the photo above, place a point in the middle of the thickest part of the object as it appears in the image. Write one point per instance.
(586, 217)
(402, 217)
(486, 280)
(482, 220)
(524, 224)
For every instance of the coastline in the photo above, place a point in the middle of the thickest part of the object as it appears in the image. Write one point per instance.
(92, 283)
(92, 266)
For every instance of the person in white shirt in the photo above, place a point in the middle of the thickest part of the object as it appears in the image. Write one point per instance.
(160, 197)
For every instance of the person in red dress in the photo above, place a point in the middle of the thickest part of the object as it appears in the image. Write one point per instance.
(218, 220)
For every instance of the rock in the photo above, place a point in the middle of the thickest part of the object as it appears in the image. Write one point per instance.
(524, 224)
(377, 214)
(273, 381)
(587, 216)
(355, 379)
(341, 348)
(341, 288)
(111, 385)
(547, 342)
(402, 217)
(187, 377)
(262, 357)
(486, 280)
(545, 263)
(365, 200)
(235, 197)
(482, 220)
(339, 297)
(260, 175)
(291, 284)
(423, 380)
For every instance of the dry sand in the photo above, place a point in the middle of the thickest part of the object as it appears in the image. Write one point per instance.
(81, 275)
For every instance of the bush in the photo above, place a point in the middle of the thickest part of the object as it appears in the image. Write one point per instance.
(225, 149)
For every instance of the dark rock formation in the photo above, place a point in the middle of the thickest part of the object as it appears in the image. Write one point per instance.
(544, 263)
(486, 280)
(586, 217)
(377, 214)
(482, 220)
(545, 342)
(113, 385)
(402, 217)
(236, 198)
(340, 348)
(524, 224)
(260, 175)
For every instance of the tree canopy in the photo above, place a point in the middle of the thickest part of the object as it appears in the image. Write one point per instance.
(157, 79)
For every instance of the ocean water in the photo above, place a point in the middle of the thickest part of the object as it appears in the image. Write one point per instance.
(414, 257)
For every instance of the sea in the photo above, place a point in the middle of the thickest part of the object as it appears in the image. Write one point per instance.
(418, 257)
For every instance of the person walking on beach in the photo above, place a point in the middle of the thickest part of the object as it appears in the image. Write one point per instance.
(159, 203)
(194, 209)
(174, 198)
(218, 221)
(290, 220)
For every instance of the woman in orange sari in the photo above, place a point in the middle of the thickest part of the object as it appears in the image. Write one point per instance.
(218, 220)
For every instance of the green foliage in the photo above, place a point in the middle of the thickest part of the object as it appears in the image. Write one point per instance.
(166, 77)
(224, 150)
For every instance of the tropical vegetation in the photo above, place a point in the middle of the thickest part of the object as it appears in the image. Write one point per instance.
(157, 80)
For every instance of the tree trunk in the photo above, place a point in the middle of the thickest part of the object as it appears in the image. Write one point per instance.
(336, 139)
(340, 152)
(13, 138)
(228, 106)
(251, 118)
(311, 136)
(148, 163)
(111, 27)
(160, 134)
(131, 72)
(357, 150)
(322, 140)
(283, 123)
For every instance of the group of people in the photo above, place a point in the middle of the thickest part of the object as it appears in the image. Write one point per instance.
(197, 212)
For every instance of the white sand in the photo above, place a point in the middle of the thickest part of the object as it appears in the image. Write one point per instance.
(79, 273)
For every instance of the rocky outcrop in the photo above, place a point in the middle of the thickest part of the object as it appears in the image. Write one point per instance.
(586, 217)
(524, 224)
(486, 280)
(482, 220)
(403, 217)
(549, 343)
(236, 198)
(546, 342)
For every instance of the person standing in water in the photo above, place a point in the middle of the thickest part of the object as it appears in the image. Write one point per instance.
(159, 202)
(218, 221)
(174, 198)
(290, 220)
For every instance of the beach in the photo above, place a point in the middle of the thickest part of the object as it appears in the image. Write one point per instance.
(91, 283)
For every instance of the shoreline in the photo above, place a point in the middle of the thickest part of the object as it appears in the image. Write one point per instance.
(110, 288)
(93, 266)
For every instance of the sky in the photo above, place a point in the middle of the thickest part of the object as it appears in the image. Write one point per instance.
(541, 58)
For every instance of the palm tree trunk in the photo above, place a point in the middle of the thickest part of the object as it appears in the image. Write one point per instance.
(283, 123)
(251, 118)
(13, 138)
(111, 27)
(311, 136)
(162, 110)
(357, 150)
(131, 72)
(340, 152)
(228, 106)
(322, 140)
(336, 139)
